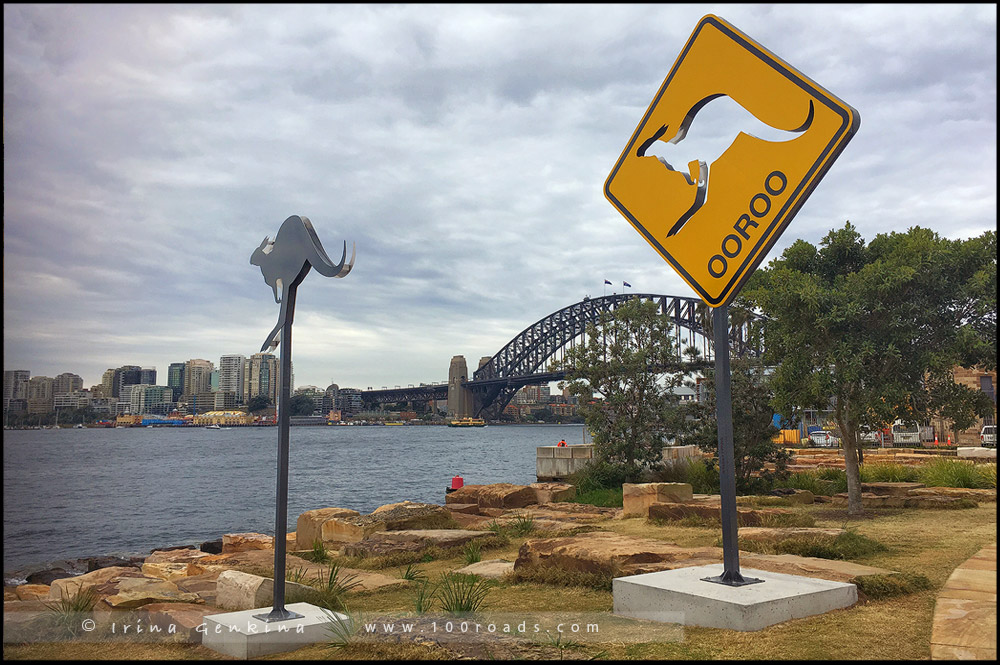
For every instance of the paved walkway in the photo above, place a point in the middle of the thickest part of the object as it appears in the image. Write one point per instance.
(965, 614)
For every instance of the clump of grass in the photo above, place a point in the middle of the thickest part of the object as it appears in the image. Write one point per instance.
(958, 473)
(334, 586)
(67, 614)
(886, 472)
(342, 627)
(521, 525)
(784, 519)
(847, 546)
(423, 596)
(472, 552)
(825, 482)
(298, 576)
(560, 577)
(462, 594)
(763, 501)
(877, 587)
(318, 553)
(413, 573)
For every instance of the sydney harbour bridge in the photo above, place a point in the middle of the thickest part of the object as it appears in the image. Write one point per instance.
(525, 359)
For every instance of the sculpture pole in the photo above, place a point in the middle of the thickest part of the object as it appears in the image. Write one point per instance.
(278, 612)
(285, 262)
(727, 463)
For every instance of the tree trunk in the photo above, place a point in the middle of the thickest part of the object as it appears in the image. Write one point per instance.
(849, 437)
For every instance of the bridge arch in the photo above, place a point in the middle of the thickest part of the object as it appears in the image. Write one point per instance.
(519, 361)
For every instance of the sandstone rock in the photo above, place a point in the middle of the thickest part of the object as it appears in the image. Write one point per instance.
(493, 569)
(411, 540)
(98, 562)
(637, 497)
(166, 571)
(10, 594)
(496, 495)
(744, 516)
(211, 546)
(553, 492)
(48, 576)
(890, 489)
(827, 569)
(184, 617)
(573, 512)
(31, 592)
(236, 590)
(68, 587)
(136, 592)
(611, 553)
(979, 495)
(393, 517)
(464, 508)
(242, 542)
(184, 555)
(309, 527)
(869, 500)
(203, 586)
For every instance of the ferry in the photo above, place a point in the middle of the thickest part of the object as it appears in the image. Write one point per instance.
(212, 427)
(467, 422)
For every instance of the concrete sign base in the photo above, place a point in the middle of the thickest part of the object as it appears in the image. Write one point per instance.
(241, 635)
(682, 596)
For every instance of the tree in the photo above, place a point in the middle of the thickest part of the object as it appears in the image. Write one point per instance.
(861, 328)
(753, 424)
(258, 403)
(301, 405)
(629, 361)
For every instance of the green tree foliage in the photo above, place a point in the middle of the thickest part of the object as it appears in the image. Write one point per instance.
(753, 428)
(258, 403)
(624, 376)
(301, 405)
(870, 331)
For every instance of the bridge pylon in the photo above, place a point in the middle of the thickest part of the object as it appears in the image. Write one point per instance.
(460, 400)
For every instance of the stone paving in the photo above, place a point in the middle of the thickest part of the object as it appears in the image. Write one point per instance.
(965, 614)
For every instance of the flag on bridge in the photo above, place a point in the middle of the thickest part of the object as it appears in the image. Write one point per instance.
(627, 284)
(606, 282)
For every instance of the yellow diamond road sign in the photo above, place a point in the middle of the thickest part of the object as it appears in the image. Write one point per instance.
(715, 222)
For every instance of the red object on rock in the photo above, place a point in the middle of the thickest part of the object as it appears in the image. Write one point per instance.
(457, 482)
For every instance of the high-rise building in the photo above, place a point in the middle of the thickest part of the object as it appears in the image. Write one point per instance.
(66, 382)
(175, 379)
(197, 376)
(143, 398)
(260, 377)
(231, 373)
(349, 401)
(127, 375)
(148, 376)
(15, 386)
(40, 394)
(109, 386)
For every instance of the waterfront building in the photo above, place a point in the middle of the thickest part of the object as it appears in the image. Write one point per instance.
(223, 417)
(260, 377)
(197, 377)
(143, 398)
(147, 376)
(66, 382)
(108, 383)
(330, 398)
(175, 379)
(15, 387)
(315, 394)
(225, 400)
(201, 402)
(78, 399)
(231, 373)
(349, 401)
(127, 375)
(40, 394)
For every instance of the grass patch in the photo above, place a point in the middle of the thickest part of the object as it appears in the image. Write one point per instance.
(560, 577)
(887, 472)
(958, 473)
(878, 587)
(763, 501)
(425, 555)
(334, 586)
(317, 554)
(462, 594)
(66, 616)
(472, 552)
(604, 498)
(848, 546)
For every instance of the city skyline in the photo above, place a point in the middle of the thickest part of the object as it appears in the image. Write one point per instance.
(463, 148)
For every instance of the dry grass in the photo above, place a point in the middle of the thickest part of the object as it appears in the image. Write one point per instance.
(923, 542)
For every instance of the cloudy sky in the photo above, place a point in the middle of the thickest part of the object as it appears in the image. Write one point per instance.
(463, 148)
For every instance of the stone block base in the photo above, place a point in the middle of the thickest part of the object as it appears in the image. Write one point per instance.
(682, 596)
(240, 635)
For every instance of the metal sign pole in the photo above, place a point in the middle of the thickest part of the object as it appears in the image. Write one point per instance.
(279, 613)
(727, 464)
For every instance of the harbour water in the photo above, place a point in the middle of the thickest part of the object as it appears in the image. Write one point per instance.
(72, 493)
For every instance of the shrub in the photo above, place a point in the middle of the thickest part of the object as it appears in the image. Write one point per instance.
(423, 596)
(521, 525)
(67, 614)
(889, 473)
(333, 587)
(318, 553)
(602, 475)
(462, 594)
(877, 587)
(606, 498)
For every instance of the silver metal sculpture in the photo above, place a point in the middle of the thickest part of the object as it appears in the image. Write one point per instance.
(284, 262)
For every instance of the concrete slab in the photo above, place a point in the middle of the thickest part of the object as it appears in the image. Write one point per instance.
(669, 594)
(240, 635)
